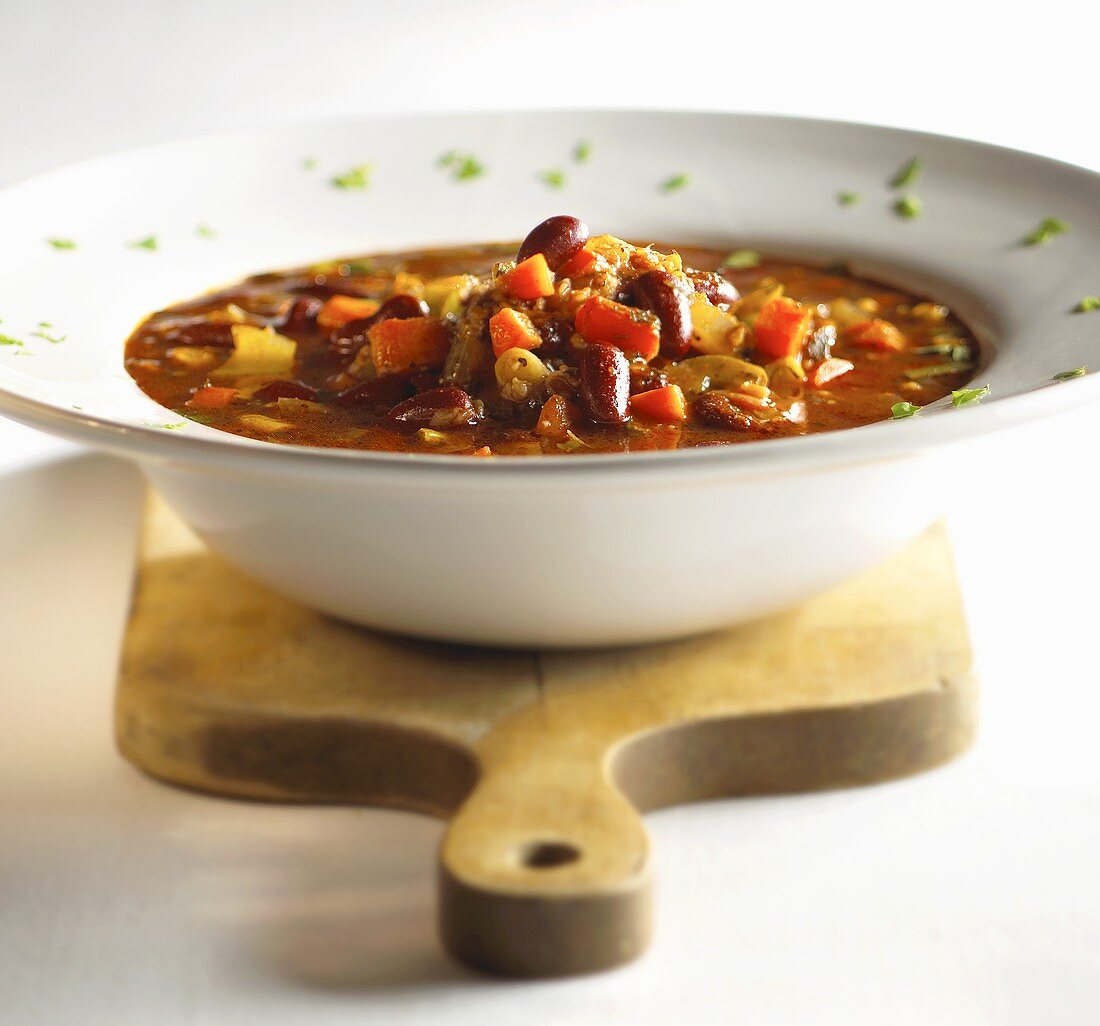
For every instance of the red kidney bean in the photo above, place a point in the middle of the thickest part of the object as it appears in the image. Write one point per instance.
(663, 294)
(557, 238)
(446, 407)
(302, 313)
(715, 409)
(384, 391)
(719, 290)
(284, 390)
(398, 308)
(349, 338)
(605, 383)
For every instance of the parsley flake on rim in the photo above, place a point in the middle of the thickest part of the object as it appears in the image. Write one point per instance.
(742, 259)
(675, 182)
(204, 231)
(167, 427)
(1047, 229)
(309, 163)
(908, 207)
(43, 334)
(462, 166)
(9, 340)
(554, 178)
(356, 177)
(148, 243)
(1087, 304)
(907, 174)
(62, 244)
(582, 151)
(848, 199)
(902, 410)
(1077, 372)
(966, 396)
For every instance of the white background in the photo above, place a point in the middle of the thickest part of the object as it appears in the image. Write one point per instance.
(967, 896)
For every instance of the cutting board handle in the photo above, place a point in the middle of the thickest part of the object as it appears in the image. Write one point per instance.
(545, 867)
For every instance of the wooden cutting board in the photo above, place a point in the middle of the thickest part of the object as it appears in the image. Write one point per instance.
(541, 761)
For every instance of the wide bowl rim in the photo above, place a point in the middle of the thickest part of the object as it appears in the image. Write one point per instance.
(883, 440)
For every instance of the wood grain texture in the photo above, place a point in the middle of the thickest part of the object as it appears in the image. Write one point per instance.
(541, 761)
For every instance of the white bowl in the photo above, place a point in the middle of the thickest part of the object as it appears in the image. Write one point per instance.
(570, 551)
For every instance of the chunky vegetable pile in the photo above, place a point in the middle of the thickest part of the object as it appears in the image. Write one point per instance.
(578, 344)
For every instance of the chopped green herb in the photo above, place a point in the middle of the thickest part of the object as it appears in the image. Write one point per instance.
(1044, 231)
(8, 340)
(357, 177)
(448, 158)
(742, 259)
(1088, 303)
(359, 267)
(62, 243)
(1077, 372)
(675, 182)
(908, 207)
(555, 178)
(582, 151)
(309, 163)
(468, 167)
(204, 231)
(899, 411)
(966, 396)
(46, 336)
(958, 352)
(907, 174)
(149, 243)
(848, 199)
(167, 427)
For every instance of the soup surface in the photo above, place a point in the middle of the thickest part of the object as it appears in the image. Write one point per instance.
(574, 344)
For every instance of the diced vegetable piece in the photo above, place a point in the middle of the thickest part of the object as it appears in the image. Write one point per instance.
(445, 295)
(877, 334)
(828, 370)
(697, 374)
(556, 418)
(211, 398)
(193, 357)
(786, 376)
(512, 329)
(340, 310)
(483, 451)
(581, 262)
(265, 425)
(416, 343)
(406, 284)
(781, 327)
(635, 332)
(531, 279)
(714, 331)
(665, 404)
(258, 351)
(519, 373)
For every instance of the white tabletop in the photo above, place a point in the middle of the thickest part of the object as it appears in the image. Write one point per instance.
(966, 896)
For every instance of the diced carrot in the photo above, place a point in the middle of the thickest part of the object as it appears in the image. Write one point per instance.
(581, 262)
(416, 343)
(211, 397)
(828, 370)
(512, 329)
(877, 334)
(635, 332)
(340, 310)
(530, 279)
(781, 327)
(483, 451)
(666, 404)
(556, 418)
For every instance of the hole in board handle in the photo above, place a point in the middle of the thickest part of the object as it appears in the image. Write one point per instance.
(549, 854)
